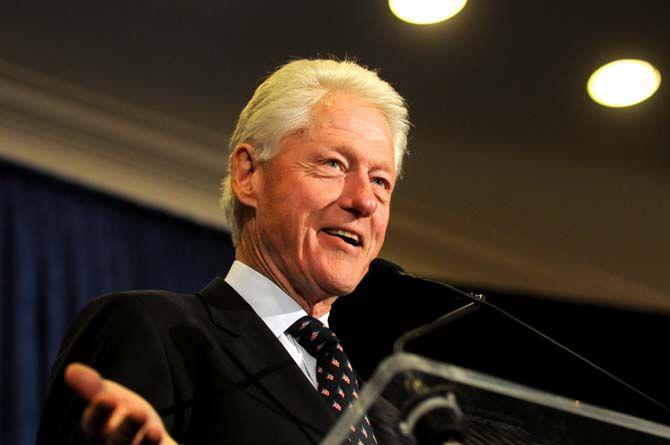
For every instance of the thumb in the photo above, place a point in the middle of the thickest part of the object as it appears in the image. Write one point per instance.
(83, 379)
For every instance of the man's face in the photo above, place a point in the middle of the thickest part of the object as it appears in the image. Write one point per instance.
(322, 213)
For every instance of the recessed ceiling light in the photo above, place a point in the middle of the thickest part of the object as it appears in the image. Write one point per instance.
(425, 12)
(623, 83)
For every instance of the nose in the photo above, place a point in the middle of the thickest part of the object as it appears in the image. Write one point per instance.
(357, 196)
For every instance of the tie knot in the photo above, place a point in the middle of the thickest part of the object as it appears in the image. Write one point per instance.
(312, 335)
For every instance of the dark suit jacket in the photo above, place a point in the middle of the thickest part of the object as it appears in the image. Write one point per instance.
(205, 361)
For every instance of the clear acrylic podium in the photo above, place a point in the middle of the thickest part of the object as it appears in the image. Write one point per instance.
(490, 410)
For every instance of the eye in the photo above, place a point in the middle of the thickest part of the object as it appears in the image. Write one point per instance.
(333, 163)
(380, 182)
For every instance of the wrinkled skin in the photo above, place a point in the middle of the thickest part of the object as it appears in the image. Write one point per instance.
(337, 174)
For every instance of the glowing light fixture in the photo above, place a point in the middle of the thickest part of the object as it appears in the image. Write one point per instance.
(425, 12)
(623, 83)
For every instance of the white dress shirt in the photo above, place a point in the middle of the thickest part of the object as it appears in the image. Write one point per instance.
(277, 310)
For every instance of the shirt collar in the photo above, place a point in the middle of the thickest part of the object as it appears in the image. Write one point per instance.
(277, 310)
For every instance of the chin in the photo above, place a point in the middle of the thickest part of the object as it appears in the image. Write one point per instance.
(338, 283)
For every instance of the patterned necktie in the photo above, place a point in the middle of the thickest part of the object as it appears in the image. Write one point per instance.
(337, 382)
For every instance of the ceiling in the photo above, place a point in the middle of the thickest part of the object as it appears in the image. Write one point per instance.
(516, 180)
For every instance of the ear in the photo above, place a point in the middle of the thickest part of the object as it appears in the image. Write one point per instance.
(244, 168)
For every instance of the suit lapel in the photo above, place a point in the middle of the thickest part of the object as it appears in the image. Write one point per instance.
(265, 360)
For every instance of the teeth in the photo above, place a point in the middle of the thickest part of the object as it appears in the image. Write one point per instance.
(350, 235)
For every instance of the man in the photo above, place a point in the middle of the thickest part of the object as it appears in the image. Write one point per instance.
(314, 160)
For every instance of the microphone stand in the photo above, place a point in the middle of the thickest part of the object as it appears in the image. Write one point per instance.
(433, 415)
(484, 302)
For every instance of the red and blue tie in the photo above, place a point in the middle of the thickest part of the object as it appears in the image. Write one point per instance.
(337, 382)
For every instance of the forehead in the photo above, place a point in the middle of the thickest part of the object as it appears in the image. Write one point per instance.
(347, 122)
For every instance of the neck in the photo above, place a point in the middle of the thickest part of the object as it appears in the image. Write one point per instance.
(254, 258)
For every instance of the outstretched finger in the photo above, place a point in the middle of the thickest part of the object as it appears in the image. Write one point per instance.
(96, 417)
(152, 436)
(84, 380)
(127, 430)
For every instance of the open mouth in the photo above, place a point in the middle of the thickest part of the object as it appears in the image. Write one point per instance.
(346, 236)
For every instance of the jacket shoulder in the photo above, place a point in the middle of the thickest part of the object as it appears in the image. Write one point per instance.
(134, 307)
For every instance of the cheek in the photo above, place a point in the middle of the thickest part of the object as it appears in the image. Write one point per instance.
(312, 200)
(380, 225)
(294, 215)
(379, 234)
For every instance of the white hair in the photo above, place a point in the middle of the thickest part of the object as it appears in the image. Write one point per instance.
(283, 103)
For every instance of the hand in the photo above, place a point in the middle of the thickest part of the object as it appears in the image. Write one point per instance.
(115, 415)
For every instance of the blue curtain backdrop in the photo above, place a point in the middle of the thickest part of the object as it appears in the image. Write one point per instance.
(62, 245)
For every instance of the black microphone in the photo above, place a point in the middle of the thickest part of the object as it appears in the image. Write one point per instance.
(394, 272)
